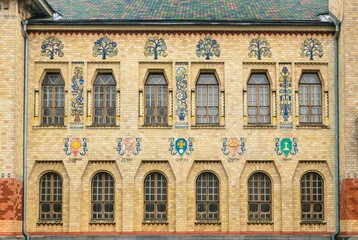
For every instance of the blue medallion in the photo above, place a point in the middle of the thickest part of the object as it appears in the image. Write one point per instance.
(181, 145)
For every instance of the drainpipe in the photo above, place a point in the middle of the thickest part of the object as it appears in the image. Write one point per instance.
(336, 94)
(27, 236)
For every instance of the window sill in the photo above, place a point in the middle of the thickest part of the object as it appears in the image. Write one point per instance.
(215, 126)
(156, 127)
(313, 126)
(313, 222)
(102, 126)
(259, 126)
(207, 222)
(155, 222)
(102, 222)
(260, 223)
(49, 222)
(49, 127)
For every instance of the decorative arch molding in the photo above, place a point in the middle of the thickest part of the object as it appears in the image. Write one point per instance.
(270, 169)
(322, 168)
(39, 169)
(216, 167)
(91, 169)
(145, 168)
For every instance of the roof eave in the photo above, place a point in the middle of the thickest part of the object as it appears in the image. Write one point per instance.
(45, 7)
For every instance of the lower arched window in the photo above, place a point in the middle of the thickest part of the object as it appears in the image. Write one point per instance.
(312, 197)
(103, 197)
(155, 197)
(51, 197)
(207, 197)
(259, 197)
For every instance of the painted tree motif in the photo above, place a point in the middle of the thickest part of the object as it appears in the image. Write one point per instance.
(208, 48)
(259, 47)
(312, 47)
(52, 46)
(77, 93)
(155, 46)
(105, 47)
(285, 97)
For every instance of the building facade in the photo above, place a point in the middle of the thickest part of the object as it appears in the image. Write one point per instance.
(138, 128)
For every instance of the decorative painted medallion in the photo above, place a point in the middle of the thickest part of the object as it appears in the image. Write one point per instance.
(155, 46)
(207, 48)
(52, 46)
(311, 48)
(129, 146)
(259, 47)
(75, 146)
(285, 97)
(181, 95)
(233, 146)
(181, 146)
(286, 146)
(77, 94)
(105, 47)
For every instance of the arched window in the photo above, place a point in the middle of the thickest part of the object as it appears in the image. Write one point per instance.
(207, 105)
(312, 197)
(156, 100)
(259, 197)
(259, 99)
(310, 99)
(102, 197)
(207, 197)
(104, 100)
(53, 102)
(155, 197)
(51, 197)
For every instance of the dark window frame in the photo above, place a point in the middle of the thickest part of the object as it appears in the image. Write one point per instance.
(259, 202)
(101, 215)
(157, 215)
(207, 202)
(52, 214)
(312, 202)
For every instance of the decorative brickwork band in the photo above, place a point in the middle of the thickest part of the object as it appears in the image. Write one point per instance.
(274, 108)
(118, 106)
(66, 104)
(170, 113)
(193, 108)
(89, 104)
(222, 112)
(36, 113)
(297, 106)
(141, 106)
(245, 104)
(349, 199)
(326, 106)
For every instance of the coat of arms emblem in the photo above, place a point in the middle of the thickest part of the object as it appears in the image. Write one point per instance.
(75, 146)
(233, 146)
(181, 146)
(128, 146)
(286, 146)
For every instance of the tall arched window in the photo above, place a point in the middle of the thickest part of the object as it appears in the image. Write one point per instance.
(259, 99)
(156, 100)
(207, 105)
(207, 197)
(310, 99)
(259, 197)
(102, 197)
(312, 197)
(51, 197)
(53, 103)
(104, 100)
(155, 197)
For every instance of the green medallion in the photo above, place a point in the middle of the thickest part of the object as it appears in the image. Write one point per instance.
(286, 146)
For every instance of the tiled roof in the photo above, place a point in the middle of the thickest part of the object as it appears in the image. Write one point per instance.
(191, 10)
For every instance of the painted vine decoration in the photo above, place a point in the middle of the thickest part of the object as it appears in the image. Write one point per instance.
(155, 46)
(52, 46)
(259, 47)
(105, 47)
(181, 94)
(312, 48)
(77, 93)
(208, 48)
(285, 97)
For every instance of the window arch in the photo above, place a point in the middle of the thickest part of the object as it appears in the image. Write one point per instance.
(51, 197)
(259, 197)
(155, 197)
(156, 100)
(207, 197)
(102, 197)
(53, 102)
(310, 99)
(104, 100)
(259, 99)
(312, 203)
(207, 104)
